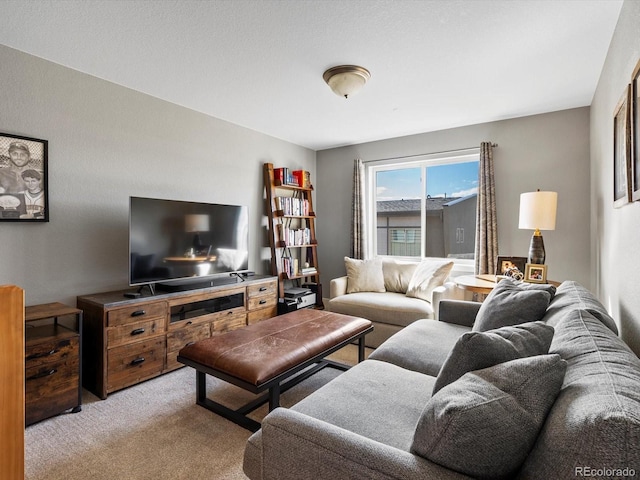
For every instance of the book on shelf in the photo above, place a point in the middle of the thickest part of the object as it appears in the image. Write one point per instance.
(308, 271)
(284, 176)
(292, 206)
(302, 177)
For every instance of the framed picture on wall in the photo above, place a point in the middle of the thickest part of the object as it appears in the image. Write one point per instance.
(621, 151)
(23, 179)
(635, 133)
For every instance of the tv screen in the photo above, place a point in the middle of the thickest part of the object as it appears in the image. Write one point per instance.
(172, 240)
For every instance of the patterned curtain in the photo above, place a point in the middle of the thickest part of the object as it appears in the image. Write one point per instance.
(357, 211)
(486, 249)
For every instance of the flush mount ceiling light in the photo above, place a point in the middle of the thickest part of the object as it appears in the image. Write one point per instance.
(346, 80)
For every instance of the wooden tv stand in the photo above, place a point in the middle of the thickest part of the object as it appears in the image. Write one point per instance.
(129, 340)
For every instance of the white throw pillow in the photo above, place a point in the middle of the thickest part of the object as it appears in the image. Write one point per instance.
(364, 275)
(397, 275)
(428, 275)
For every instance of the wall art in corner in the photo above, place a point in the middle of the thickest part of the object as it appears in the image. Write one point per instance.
(635, 133)
(621, 151)
(23, 179)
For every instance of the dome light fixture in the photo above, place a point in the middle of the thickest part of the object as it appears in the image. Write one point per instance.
(346, 80)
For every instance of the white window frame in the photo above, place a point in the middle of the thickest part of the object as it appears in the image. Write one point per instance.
(417, 161)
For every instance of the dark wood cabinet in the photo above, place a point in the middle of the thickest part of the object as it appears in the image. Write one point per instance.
(53, 370)
(129, 340)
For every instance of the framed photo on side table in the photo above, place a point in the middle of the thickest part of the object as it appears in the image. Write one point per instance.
(505, 263)
(635, 133)
(23, 179)
(621, 152)
(535, 273)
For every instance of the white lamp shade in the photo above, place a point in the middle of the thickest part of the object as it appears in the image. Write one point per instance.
(538, 210)
(196, 223)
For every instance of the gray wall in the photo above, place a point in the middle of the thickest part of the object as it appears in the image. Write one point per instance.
(615, 252)
(549, 151)
(107, 143)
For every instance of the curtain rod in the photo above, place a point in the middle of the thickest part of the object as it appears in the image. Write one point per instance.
(459, 150)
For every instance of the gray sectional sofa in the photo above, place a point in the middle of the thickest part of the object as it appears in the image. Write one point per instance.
(555, 397)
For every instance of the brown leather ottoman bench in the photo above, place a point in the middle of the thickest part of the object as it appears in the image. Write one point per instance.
(264, 355)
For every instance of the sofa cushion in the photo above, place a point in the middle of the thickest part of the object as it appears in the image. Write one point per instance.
(364, 275)
(595, 421)
(423, 346)
(397, 275)
(485, 423)
(511, 304)
(375, 399)
(389, 307)
(571, 295)
(428, 275)
(477, 350)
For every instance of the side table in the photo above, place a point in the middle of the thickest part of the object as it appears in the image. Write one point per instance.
(483, 284)
(53, 361)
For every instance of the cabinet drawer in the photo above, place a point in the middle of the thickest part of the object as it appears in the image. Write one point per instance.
(50, 351)
(230, 322)
(262, 289)
(130, 364)
(134, 332)
(136, 313)
(183, 336)
(262, 314)
(261, 302)
(51, 380)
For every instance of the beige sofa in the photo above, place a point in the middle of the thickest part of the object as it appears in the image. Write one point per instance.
(396, 296)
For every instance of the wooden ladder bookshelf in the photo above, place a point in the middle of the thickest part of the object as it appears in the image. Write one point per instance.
(292, 233)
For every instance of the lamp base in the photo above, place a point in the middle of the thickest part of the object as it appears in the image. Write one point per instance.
(536, 250)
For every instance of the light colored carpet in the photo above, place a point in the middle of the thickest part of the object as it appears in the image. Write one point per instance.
(153, 430)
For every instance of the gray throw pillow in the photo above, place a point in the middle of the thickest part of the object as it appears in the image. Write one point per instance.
(511, 304)
(485, 423)
(546, 287)
(476, 350)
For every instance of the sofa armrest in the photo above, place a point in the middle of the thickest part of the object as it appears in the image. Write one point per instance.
(460, 312)
(296, 446)
(448, 291)
(338, 286)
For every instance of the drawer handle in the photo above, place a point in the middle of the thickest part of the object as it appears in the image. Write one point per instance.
(263, 289)
(137, 361)
(189, 322)
(262, 302)
(137, 331)
(137, 313)
(40, 355)
(48, 373)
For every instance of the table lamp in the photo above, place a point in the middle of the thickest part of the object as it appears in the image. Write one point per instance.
(538, 212)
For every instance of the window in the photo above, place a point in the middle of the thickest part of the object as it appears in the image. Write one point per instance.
(425, 207)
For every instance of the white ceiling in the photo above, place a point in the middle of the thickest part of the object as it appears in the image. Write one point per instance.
(434, 64)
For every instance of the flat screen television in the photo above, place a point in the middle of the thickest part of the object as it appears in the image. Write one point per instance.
(176, 243)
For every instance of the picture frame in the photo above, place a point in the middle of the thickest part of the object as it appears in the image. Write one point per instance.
(635, 133)
(503, 263)
(535, 273)
(621, 151)
(24, 184)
